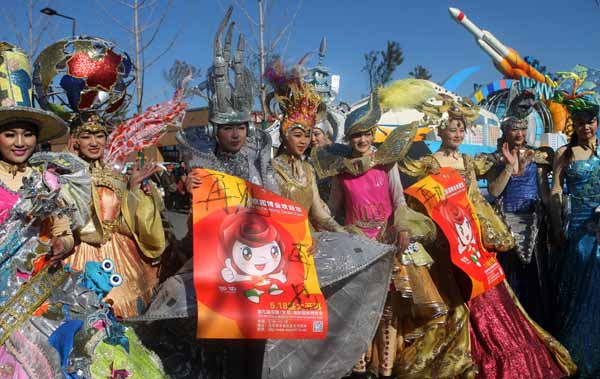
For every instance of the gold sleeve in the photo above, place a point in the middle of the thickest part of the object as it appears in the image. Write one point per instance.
(142, 215)
(61, 228)
(497, 180)
(417, 168)
(419, 226)
(482, 164)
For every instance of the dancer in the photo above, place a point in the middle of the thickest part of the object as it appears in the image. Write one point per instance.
(53, 321)
(366, 184)
(322, 135)
(518, 180)
(504, 342)
(577, 258)
(340, 273)
(125, 226)
(295, 175)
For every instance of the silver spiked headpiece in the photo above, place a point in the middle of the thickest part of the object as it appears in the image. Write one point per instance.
(229, 104)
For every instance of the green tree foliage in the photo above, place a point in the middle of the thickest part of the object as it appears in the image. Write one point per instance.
(420, 72)
(380, 65)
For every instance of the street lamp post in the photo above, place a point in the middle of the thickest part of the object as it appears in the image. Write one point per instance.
(52, 12)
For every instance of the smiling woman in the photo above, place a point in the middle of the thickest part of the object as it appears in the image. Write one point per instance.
(17, 142)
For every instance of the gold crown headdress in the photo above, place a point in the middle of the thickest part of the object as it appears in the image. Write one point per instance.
(297, 99)
(459, 110)
(93, 124)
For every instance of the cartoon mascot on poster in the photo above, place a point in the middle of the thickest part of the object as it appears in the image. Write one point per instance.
(253, 248)
(463, 228)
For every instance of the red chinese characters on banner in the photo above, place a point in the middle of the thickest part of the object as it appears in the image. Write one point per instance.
(445, 197)
(253, 275)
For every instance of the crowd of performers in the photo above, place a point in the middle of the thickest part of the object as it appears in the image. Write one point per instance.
(80, 260)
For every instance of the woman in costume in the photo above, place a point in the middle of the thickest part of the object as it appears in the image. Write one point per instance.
(577, 259)
(125, 225)
(367, 186)
(322, 135)
(518, 180)
(294, 173)
(502, 341)
(53, 323)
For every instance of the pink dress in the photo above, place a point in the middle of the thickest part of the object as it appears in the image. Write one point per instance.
(9, 367)
(367, 201)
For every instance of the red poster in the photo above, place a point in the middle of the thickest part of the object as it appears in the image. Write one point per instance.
(444, 196)
(253, 274)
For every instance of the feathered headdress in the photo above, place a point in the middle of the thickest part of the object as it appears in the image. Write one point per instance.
(297, 99)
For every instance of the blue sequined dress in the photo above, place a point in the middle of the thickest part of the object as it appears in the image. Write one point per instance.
(525, 266)
(579, 275)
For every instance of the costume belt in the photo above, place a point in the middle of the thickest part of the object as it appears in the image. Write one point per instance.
(28, 299)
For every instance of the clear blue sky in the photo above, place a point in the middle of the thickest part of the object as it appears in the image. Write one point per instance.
(559, 33)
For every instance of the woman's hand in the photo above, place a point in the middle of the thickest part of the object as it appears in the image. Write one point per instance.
(192, 181)
(58, 251)
(510, 157)
(402, 240)
(138, 175)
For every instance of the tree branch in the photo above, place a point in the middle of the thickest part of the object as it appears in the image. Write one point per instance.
(155, 59)
(115, 20)
(14, 27)
(124, 3)
(285, 28)
(243, 8)
(159, 24)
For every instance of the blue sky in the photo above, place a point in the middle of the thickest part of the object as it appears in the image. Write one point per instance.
(559, 33)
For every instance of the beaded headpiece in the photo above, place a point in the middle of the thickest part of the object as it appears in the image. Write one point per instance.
(514, 123)
(93, 124)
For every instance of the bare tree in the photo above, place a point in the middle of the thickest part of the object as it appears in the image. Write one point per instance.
(380, 65)
(40, 28)
(420, 72)
(179, 71)
(144, 31)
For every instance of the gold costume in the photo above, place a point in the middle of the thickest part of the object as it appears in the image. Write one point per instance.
(297, 182)
(445, 350)
(125, 227)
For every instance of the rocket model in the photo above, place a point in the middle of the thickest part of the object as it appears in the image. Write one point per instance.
(506, 60)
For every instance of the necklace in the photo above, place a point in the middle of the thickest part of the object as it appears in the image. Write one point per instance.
(12, 169)
(449, 152)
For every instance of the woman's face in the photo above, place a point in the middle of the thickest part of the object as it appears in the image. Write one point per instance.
(454, 134)
(17, 143)
(361, 142)
(585, 128)
(297, 141)
(91, 145)
(318, 138)
(515, 137)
